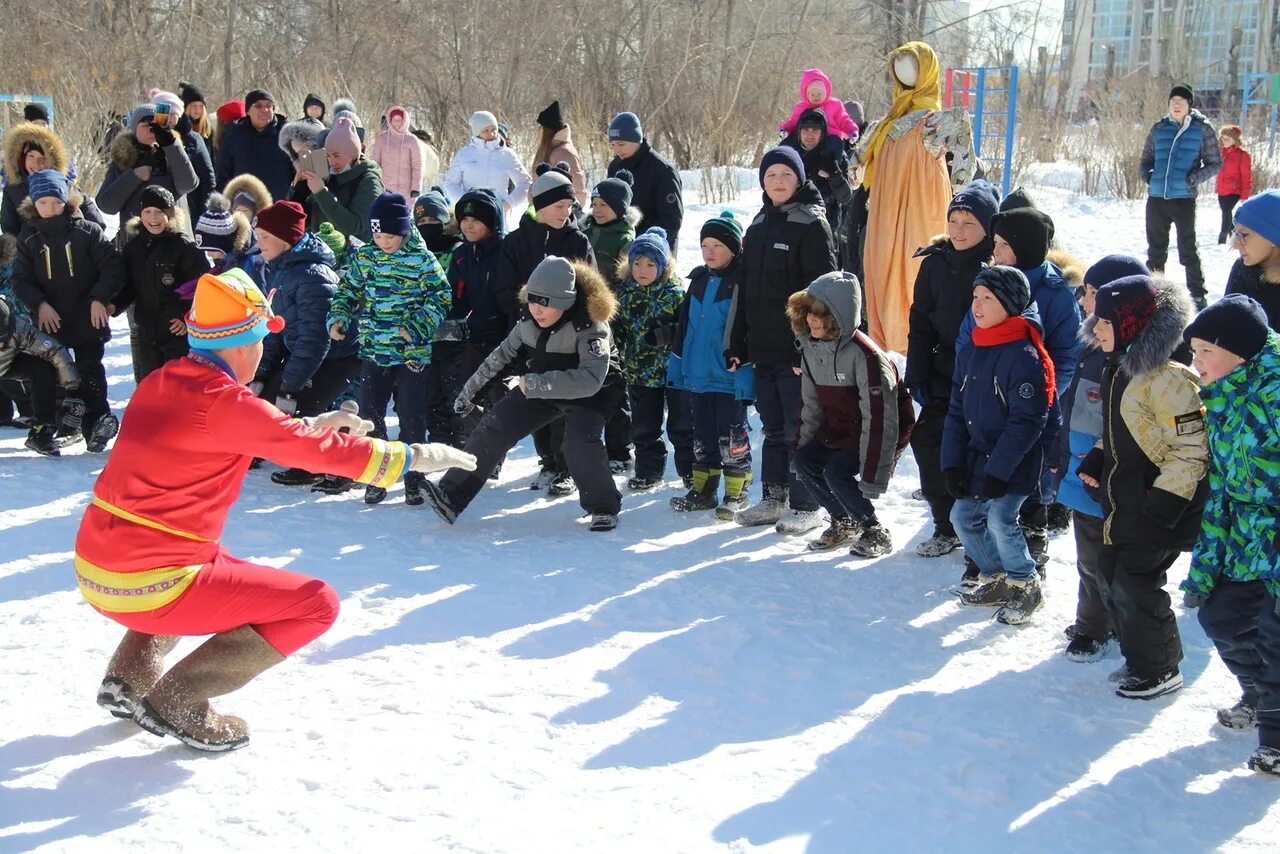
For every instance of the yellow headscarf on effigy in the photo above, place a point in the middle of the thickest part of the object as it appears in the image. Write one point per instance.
(925, 95)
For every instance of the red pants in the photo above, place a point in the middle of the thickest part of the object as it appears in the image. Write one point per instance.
(289, 610)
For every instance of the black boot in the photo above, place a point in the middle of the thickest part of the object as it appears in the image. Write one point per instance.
(41, 439)
(295, 477)
(332, 484)
(413, 488)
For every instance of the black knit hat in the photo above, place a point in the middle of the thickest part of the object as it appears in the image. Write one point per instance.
(35, 113)
(190, 94)
(616, 191)
(724, 228)
(156, 196)
(1028, 233)
(1184, 90)
(785, 156)
(1009, 285)
(1236, 323)
(813, 118)
(256, 95)
(1111, 267)
(314, 101)
(481, 204)
(551, 118)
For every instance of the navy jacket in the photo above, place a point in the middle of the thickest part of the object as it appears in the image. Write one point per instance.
(472, 274)
(698, 360)
(304, 281)
(942, 298)
(1248, 281)
(997, 416)
(657, 191)
(258, 153)
(1177, 158)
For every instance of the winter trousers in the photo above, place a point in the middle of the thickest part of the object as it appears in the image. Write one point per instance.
(989, 531)
(451, 366)
(151, 355)
(926, 444)
(1228, 206)
(330, 380)
(1268, 680)
(1145, 624)
(1095, 611)
(721, 437)
(548, 441)
(1230, 619)
(648, 407)
(516, 416)
(35, 379)
(93, 382)
(831, 475)
(617, 432)
(289, 610)
(410, 390)
(778, 403)
(1181, 214)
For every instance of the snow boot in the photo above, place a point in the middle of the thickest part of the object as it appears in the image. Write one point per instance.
(735, 496)
(178, 704)
(1025, 598)
(1083, 648)
(135, 667)
(622, 467)
(841, 530)
(295, 477)
(103, 431)
(687, 480)
(992, 590)
(1242, 715)
(602, 522)
(1265, 760)
(702, 491)
(938, 545)
(874, 541)
(440, 501)
(332, 484)
(768, 511)
(969, 579)
(643, 484)
(543, 480)
(1059, 519)
(1135, 687)
(561, 485)
(374, 494)
(799, 522)
(413, 481)
(42, 439)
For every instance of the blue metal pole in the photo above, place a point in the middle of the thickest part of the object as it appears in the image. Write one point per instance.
(1010, 126)
(979, 108)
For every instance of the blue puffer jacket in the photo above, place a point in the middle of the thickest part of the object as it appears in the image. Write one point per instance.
(1082, 413)
(1176, 158)
(997, 416)
(697, 362)
(304, 281)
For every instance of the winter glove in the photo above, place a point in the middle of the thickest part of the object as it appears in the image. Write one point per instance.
(994, 487)
(71, 414)
(345, 420)
(164, 136)
(659, 336)
(438, 457)
(287, 402)
(462, 406)
(957, 483)
(255, 388)
(1193, 600)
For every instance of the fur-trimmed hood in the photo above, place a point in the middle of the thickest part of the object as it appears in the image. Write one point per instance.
(306, 130)
(1072, 270)
(842, 295)
(124, 151)
(74, 200)
(250, 184)
(593, 293)
(55, 153)
(177, 223)
(8, 249)
(1156, 343)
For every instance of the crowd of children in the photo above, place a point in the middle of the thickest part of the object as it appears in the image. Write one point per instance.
(1038, 391)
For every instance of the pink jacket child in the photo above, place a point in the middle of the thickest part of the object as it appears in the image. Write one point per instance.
(397, 154)
(815, 91)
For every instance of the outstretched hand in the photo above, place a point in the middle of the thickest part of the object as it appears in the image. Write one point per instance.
(438, 457)
(341, 420)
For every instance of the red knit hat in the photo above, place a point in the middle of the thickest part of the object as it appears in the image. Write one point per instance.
(230, 111)
(285, 220)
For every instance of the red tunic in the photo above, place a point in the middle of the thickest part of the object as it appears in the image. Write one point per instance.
(186, 442)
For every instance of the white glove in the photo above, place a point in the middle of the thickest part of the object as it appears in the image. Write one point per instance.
(437, 457)
(256, 388)
(341, 420)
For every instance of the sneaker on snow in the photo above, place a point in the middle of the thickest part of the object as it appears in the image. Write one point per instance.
(103, 431)
(938, 545)
(1240, 716)
(440, 502)
(874, 541)
(332, 484)
(413, 488)
(917, 495)
(799, 522)
(770, 508)
(619, 466)
(1120, 674)
(601, 522)
(991, 591)
(295, 477)
(41, 440)
(1025, 598)
(640, 484)
(374, 494)
(841, 530)
(543, 480)
(1135, 687)
(1265, 760)
(1081, 647)
(561, 485)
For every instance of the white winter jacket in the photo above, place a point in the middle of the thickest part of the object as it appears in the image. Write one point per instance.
(487, 164)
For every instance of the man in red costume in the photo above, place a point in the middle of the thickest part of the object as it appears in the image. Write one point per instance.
(147, 554)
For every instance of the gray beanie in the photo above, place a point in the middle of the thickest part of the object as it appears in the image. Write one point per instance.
(553, 184)
(553, 284)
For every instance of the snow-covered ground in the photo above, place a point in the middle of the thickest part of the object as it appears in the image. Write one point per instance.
(517, 684)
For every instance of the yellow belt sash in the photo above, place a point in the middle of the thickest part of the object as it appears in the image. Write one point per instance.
(135, 592)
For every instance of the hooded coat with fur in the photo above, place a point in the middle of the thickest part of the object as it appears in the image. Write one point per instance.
(1153, 455)
(55, 157)
(245, 149)
(306, 131)
(399, 156)
(121, 191)
(155, 267)
(571, 361)
(849, 389)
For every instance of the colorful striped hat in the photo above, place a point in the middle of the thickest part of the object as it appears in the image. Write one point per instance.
(229, 310)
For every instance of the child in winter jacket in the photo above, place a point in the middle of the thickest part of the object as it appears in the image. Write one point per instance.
(856, 416)
(33, 366)
(432, 218)
(1235, 180)
(396, 289)
(718, 394)
(1147, 470)
(1081, 429)
(158, 259)
(643, 330)
(815, 91)
(611, 224)
(1234, 578)
(569, 372)
(942, 298)
(993, 441)
(67, 273)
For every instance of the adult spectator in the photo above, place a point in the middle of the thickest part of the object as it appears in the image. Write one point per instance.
(398, 155)
(228, 113)
(197, 152)
(196, 112)
(657, 191)
(485, 163)
(555, 145)
(345, 197)
(1181, 153)
(149, 154)
(826, 164)
(252, 145)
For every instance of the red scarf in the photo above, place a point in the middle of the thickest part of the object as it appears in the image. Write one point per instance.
(1019, 329)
